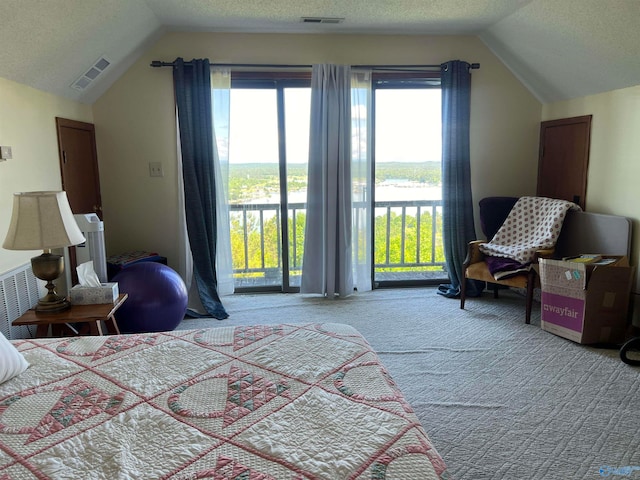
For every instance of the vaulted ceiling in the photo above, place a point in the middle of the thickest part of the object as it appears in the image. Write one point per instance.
(560, 49)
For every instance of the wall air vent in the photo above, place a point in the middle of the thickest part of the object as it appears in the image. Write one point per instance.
(321, 20)
(90, 75)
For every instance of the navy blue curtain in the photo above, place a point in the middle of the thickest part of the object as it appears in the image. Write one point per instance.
(192, 84)
(457, 209)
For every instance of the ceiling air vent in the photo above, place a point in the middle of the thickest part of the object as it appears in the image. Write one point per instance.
(321, 20)
(90, 75)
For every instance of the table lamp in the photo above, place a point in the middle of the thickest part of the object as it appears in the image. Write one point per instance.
(43, 220)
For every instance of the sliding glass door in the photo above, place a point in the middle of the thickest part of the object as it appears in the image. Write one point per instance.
(268, 148)
(297, 105)
(268, 151)
(408, 191)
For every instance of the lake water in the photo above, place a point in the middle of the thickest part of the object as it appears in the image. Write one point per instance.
(385, 192)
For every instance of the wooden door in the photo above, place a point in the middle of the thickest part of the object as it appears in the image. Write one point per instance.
(564, 159)
(79, 165)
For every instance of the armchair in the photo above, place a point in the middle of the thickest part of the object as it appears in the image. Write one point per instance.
(581, 232)
(493, 213)
(475, 268)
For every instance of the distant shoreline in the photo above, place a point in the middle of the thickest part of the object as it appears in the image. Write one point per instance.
(254, 183)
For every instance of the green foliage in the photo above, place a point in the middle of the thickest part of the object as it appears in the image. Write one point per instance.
(250, 181)
(296, 248)
(388, 230)
(428, 253)
(421, 172)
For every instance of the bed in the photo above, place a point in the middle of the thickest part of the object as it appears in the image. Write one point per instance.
(292, 402)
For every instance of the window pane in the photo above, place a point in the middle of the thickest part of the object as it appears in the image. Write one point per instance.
(254, 188)
(297, 104)
(408, 191)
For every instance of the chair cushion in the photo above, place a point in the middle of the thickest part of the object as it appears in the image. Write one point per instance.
(480, 271)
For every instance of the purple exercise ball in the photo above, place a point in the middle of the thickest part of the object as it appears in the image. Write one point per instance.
(157, 298)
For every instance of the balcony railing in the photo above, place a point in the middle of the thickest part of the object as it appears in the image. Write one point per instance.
(434, 208)
(400, 243)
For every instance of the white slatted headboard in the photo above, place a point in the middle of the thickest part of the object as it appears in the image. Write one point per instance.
(19, 291)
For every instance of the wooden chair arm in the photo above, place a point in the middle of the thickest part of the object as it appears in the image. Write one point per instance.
(544, 253)
(474, 255)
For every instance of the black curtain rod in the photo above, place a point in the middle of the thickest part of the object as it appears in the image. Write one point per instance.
(158, 64)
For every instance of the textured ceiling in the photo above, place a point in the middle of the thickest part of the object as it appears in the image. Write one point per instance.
(564, 49)
(361, 16)
(560, 49)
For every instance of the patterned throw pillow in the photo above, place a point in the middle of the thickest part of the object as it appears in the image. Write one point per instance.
(12, 362)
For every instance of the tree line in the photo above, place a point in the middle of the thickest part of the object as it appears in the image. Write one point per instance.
(250, 181)
(263, 241)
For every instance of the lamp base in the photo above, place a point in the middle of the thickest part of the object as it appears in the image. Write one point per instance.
(46, 306)
(48, 267)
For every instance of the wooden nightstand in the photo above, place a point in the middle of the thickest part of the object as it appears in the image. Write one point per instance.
(93, 315)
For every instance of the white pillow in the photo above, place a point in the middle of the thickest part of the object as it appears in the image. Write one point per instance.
(12, 362)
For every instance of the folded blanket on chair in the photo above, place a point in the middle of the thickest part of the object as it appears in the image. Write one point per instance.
(534, 223)
(503, 267)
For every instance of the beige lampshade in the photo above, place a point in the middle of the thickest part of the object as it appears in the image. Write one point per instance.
(40, 221)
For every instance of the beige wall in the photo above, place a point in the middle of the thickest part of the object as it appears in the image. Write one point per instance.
(27, 124)
(135, 124)
(614, 166)
(135, 120)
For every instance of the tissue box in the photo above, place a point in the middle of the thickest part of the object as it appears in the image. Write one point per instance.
(105, 293)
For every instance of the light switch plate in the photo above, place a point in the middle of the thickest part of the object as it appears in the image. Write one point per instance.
(5, 153)
(155, 169)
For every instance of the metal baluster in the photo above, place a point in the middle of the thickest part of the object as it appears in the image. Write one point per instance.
(246, 240)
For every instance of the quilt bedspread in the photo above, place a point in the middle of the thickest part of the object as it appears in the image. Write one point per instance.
(266, 402)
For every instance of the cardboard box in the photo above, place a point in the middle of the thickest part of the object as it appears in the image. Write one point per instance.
(586, 303)
(106, 293)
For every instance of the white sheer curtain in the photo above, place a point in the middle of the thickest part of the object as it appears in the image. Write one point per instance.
(361, 177)
(220, 85)
(337, 252)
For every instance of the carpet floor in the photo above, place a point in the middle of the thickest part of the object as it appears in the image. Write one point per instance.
(499, 399)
